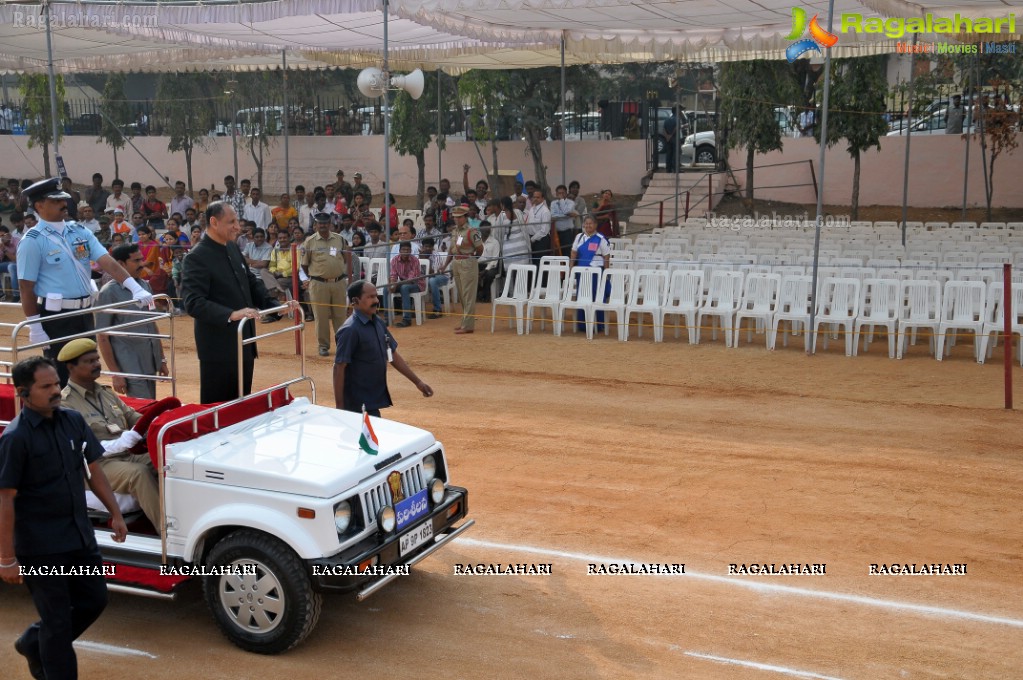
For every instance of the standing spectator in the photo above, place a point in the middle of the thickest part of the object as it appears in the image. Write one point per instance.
(150, 250)
(203, 202)
(954, 116)
(437, 279)
(466, 245)
(137, 199)
(367, 194)
(806, 121)
(118, 200)
(49, 527)
(72, 203)
(326, 265)
(284, 212)
(488, 262)
(564, 213)
(507, 222)
(538, 225)
(431, 196)
(344, 188)
(9, 263)
(180, 203)
(96, 195)
(246, 187)
(670, 141)
(580, 204)
(219, 292)
(255, 211)
(306, 210)
(87, 218)
(406, 279)
(232, 196)
(54, 270)
(606, 215)
(360, 212)
(124, 354)
(153, 209)
(7, 205)
(364, 348)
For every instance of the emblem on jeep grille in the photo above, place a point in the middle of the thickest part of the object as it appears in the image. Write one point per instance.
(394, 481)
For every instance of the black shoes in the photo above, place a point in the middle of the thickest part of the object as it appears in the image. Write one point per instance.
(35, 664)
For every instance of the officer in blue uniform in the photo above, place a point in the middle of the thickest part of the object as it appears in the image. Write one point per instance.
(55, 275)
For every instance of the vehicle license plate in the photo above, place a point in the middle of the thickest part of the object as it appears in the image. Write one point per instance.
(416, 538)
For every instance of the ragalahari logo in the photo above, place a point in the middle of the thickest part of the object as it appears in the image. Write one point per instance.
(819, 38)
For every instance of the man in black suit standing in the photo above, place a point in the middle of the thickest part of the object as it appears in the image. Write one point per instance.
(219, 291)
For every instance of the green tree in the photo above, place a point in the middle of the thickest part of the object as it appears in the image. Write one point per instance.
(483, 91)
(412, 128)
(185, 114)
(116, 116)
(265, 116)
(750, 90)
(35, 96)
(855, 111)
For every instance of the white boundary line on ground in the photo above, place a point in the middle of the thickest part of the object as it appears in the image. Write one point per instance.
(761, 666)
(761, 586)
(112, 649)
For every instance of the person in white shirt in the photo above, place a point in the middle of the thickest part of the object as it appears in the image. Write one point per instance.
(306, 210)
(118, 199)
(538, 226)
(180, 203)
(86, 218)
(257, 212)
(564, 213)
(488, 261)
(437, 279)
(405, 233)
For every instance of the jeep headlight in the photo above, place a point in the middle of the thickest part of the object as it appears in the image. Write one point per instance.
(386, 519)
(436, 490)
(429, 466)
(342, 516)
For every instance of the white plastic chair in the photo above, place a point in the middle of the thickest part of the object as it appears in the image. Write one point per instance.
(995, 322)
(883, 310)
(920, 308)
(838, 305)
(793, 306)
(962, 308)
(647, 297)
(517, 282)
(683, 301)
(722, 302)
(548, 291)
(579, 296)
(759, 300)
(613, 295)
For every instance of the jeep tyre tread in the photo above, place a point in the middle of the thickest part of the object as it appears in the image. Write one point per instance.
(279, 612)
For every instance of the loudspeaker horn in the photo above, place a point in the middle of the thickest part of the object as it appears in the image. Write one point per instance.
(413, 83)
(371, 82)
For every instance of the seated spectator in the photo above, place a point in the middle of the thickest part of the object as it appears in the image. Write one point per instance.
(437, 279)
(406, 278)
(150, 250)
(281, 269)
(9, 264)
(488, 261)
(111, 420)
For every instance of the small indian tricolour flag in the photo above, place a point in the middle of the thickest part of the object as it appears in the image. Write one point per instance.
(368, 441)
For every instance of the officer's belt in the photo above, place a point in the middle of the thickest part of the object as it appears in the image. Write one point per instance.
(70, 303)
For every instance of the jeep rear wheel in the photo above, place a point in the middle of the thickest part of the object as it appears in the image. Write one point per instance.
(263, 600)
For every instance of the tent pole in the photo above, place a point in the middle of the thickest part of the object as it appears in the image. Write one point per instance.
(389, 299)
(54, 114)
(820, 194)
(440, 171)
(674, 140)
(909, 138)
(287, 156)
(564, 151)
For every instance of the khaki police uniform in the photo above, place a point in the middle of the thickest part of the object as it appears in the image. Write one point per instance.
(324, 260)
(464, 271)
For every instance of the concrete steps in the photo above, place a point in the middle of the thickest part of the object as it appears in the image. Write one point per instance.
(662, 188)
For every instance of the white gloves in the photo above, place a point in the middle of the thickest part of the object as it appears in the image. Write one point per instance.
(127, 440)
(140, 294)
(35, 331)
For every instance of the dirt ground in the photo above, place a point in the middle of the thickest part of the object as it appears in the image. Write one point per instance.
(580, 452)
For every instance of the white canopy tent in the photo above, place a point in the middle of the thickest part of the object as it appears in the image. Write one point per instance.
(448, 34)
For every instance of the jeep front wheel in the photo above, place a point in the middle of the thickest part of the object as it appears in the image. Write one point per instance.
(261, 597)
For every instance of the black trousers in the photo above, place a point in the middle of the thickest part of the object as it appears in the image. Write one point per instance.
(218, 380)
(67, 606)
(565, 239)
(541, 248)
(375, 412)
(62, 328)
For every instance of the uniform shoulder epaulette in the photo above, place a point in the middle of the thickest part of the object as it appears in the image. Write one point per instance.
(31, 233)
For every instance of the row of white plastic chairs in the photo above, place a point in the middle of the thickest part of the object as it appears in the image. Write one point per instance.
(765, 301)
(831, 223)
(660, 260)
(797, 240)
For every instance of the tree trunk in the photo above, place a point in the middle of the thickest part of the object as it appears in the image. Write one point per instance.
(856, 186)
(493, 154)
(117, 169)
(989, 189)
(188, 165)
(539, 171)
(421, 179)
(749, 173)
(46, 160)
